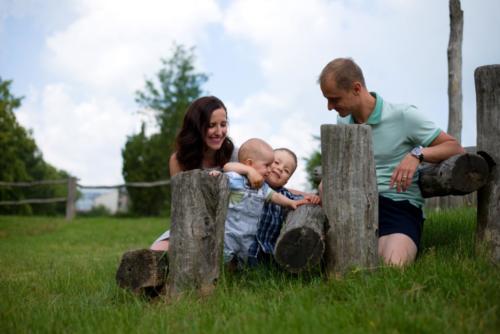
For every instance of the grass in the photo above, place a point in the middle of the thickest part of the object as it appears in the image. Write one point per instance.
(58, 277)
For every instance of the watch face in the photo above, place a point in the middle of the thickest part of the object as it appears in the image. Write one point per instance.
(417, 152)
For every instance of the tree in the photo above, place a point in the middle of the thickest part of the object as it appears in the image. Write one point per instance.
(455, 70)
(23, 161)
(146, 158)
(312, 163)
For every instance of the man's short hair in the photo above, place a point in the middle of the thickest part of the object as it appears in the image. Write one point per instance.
(344, 71)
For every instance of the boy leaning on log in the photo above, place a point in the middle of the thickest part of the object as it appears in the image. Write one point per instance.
(246, 204)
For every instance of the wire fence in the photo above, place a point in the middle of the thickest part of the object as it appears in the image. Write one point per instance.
(71, 195)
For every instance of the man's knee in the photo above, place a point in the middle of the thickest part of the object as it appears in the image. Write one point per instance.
(397, 249)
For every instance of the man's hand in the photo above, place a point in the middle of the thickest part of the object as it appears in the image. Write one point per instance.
(402, 176)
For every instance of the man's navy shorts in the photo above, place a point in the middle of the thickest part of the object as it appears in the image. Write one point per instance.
(400, 217)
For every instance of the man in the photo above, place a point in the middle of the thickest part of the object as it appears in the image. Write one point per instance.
(402, 139)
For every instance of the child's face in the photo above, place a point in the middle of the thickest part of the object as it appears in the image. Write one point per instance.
(281, 169)
(263, 164)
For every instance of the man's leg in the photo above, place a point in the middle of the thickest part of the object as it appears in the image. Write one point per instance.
(397, 249)
(161, 245)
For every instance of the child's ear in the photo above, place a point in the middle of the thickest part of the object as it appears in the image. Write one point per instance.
(248, 162)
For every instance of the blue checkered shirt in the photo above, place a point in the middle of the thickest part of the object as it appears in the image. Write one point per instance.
(271, 220)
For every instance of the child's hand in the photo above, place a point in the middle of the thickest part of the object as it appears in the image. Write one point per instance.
(312, 199)
(297, 203)
(214, 172)
(254, 178)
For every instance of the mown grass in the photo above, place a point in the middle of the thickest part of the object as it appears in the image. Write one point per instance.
(58, 277)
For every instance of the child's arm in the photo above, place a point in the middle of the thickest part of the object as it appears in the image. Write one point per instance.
(254, 178)
(310, 197)
(282, 200)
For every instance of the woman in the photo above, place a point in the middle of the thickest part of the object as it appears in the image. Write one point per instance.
(202, 143)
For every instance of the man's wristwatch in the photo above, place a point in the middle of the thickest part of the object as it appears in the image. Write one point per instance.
(417, 153)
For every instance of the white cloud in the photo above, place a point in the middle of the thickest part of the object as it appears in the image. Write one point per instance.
(83, 138)
(114, 43)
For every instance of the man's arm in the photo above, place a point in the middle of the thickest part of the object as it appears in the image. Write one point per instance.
(441, 148)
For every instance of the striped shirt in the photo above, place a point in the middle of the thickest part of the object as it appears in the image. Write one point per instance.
(268, 230)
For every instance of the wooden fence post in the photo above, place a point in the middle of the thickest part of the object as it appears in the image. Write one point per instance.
(487, 79)
(350, 197)
(71, 199)
(199, 207)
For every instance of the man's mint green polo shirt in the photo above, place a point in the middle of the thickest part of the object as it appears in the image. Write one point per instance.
(396, 129)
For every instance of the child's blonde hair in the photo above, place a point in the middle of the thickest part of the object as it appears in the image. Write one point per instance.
(254, 149)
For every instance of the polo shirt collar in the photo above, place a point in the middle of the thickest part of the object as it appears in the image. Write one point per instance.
(376, 114)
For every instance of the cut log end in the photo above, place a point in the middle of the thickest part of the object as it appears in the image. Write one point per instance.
(299, 249)
(470, 173)
(142, 270)
(459, 175)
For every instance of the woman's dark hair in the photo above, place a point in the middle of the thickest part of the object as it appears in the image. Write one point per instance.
(190, 142)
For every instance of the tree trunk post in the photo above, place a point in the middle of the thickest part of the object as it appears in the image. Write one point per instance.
(455, 70)
(199, 207)
(487, 79)
(71, 199)
(143, 271)
(350, 197)
(301, 243)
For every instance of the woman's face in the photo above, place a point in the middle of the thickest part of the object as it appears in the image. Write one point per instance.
(217, 130)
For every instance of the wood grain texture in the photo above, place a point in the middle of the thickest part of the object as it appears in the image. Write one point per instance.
(350, 197)
(487, 79)
(199, 207)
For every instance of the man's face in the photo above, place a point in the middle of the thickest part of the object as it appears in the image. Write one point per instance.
(342, 100)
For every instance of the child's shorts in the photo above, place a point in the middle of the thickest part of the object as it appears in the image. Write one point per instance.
(400, 217)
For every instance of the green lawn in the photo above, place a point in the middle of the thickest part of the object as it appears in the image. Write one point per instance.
(58, 277)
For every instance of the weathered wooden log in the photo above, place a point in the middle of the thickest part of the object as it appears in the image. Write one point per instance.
(350, 197)
(199, 207)
(301, 243)
(487, 79)
(143, 271)
(459, 175)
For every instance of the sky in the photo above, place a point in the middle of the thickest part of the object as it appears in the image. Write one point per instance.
(78, 64)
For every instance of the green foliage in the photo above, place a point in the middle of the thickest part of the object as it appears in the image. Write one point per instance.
(63, 282)
(21, 160)
(146, 158)
(312, 162)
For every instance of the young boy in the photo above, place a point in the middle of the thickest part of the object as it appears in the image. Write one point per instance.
(245, 203)
(273, 216)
